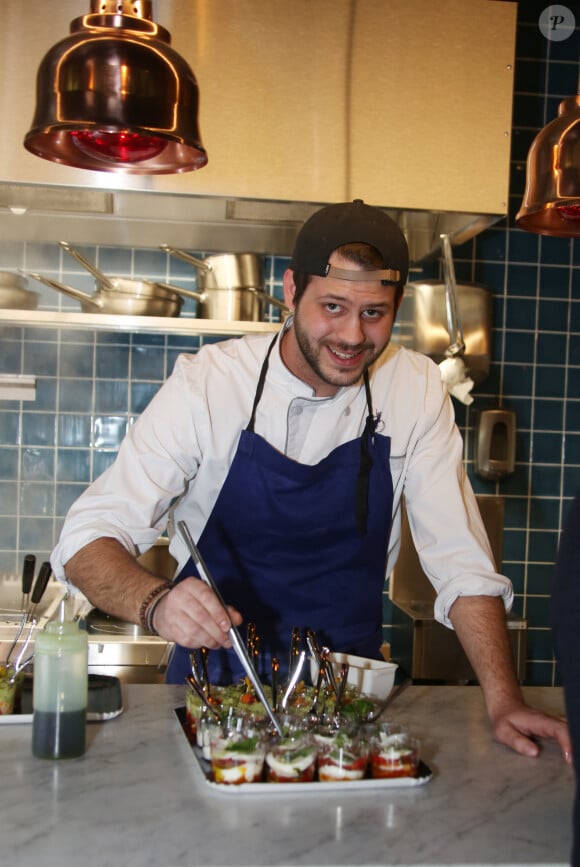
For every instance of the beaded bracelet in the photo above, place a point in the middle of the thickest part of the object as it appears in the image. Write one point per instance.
(150, 603)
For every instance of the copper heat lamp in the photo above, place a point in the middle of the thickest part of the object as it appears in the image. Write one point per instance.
(113, 96)
(551, 204)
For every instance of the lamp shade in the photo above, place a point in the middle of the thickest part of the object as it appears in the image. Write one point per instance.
(114, 96)
(551, 204)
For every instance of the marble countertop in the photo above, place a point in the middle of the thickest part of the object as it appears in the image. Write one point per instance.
(137, 798)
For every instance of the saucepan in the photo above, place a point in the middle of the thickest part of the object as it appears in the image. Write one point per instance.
(14, 294)
(231, 283)
(121, 295)
(138, 302)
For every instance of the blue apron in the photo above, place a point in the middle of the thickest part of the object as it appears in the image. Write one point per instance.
(291, 544)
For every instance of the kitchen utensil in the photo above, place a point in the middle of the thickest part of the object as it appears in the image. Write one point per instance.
(294, 649)
(275, 670)
(42, 580)
(313, 713)
(224, 270)
(317, 657)
(27, 579)
(14, 294)
(344, 669)
(238, 644)
(128, 285)
(295, 677)
(232, 285)
(454, 372)
(195, 671)
(21, 663)
(16, 638)
(118, 303)
(194, 685)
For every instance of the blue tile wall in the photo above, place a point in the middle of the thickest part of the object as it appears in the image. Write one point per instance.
(91, 386)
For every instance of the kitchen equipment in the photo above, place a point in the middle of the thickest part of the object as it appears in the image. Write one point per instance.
(135, 303)
(453, 369)
(40, 584)
(115, 96)
(238, 644)
(14, 294)
(100, 623)
(258, 187)
(430, 335)
(495, 443)
(237, 280)
(27, 579)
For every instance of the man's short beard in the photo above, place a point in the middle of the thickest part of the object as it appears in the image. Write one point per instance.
(312, 358)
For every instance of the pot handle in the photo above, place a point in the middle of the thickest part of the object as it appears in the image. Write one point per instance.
(67, 290)
(92, 269)
(187, 257)
(187, 293)
(270, 299)
(454, 325)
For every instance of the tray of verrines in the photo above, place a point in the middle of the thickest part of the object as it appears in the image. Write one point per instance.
(237, 750)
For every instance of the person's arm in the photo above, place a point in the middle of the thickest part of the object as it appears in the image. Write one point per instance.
(480, 624)
(189, 614)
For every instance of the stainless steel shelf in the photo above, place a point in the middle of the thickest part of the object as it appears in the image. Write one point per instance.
(133, 324)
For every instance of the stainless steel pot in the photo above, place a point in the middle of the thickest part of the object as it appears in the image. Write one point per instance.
(14, 294)
(224, 270)
(430, 332)
(236, 278)
(134, 303)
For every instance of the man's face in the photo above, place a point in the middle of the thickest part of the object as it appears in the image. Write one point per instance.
(340, 327)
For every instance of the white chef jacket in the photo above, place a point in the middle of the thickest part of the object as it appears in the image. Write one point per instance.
(175, 458)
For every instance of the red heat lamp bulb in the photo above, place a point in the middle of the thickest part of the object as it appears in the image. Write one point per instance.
(569, 213)
(118, 147)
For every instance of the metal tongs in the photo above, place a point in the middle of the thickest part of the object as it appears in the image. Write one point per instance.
(237, 642)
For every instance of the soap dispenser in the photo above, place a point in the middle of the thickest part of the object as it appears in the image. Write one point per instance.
(495, 443)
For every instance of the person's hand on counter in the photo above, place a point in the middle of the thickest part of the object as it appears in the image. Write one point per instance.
(522, 728)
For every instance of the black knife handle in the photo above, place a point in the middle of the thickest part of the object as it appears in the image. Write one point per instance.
(43, 576)
(28, 572)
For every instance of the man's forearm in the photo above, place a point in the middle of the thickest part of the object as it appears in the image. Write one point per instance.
(111, 578)
(480, 624)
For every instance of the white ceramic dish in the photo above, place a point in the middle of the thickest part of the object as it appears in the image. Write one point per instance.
(371, 676)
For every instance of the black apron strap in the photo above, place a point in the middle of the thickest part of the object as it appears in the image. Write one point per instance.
(366, 462)
(260, 386)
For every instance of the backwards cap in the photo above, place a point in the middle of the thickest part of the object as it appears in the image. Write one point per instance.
(349, 223)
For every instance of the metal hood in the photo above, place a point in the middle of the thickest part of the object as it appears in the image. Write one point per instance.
(300, 104)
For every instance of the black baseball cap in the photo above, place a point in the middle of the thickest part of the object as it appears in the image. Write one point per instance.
(349, 223)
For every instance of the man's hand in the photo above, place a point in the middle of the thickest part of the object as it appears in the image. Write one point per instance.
(521, 727)
(192, 615)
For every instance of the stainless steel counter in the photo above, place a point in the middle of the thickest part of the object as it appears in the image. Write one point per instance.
(137, 798)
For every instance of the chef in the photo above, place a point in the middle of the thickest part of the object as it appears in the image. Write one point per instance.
(287, 458)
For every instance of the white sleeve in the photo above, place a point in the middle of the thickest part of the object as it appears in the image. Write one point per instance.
(156, 460)
(444, 517)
